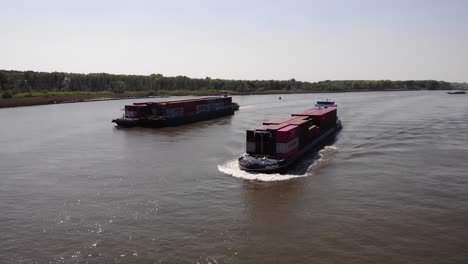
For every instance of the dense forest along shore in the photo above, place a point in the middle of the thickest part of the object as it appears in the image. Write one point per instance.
(25, 88)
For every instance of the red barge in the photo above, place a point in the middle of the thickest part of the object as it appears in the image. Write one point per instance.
(277, 144)
(178, 112)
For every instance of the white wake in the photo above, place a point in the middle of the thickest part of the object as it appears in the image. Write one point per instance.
(304, 168)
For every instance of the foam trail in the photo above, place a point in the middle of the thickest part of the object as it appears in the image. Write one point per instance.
(331, 147)
(247, 106)
(232, 168)
(303, 169)
(324, 157)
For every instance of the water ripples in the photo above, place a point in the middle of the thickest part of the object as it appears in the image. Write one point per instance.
(391, 188)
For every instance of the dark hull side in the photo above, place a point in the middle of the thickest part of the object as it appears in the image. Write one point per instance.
(268, 165)
(155, 123)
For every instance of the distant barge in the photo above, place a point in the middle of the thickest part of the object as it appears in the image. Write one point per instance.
(174, 113)
(277, 144)
(457, 92)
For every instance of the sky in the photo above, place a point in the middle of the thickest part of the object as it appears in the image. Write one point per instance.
(306, 40)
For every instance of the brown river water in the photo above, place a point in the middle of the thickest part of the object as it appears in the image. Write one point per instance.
(391, 188)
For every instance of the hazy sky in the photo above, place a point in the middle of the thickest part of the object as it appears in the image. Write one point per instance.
(237, 39)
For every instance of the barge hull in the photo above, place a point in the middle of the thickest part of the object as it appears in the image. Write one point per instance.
(156, 123)
(281, 165)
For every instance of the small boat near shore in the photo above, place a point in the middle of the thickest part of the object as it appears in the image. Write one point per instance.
(457, 92)
(177, 112)
(277, 144)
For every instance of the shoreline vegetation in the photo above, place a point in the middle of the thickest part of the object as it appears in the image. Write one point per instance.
(26, 88)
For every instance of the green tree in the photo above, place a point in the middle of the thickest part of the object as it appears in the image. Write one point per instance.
(119, 87)
(6, 95)
(355, 85)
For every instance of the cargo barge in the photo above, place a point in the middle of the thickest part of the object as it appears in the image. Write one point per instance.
(174, 113)
(277, 144)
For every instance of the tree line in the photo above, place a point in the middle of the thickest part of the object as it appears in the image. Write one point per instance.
(23, 82)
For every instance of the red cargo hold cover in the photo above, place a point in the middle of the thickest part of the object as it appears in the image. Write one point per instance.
(193, 100)
(286, 134)
(271, 127)
(299, 121)
(315, 112)
(279, 121)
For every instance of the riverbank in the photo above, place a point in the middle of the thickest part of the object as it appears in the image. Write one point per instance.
(103, 96)
(58, 98)
(23, 88)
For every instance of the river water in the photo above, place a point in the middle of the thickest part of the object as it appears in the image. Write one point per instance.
(391, 188)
